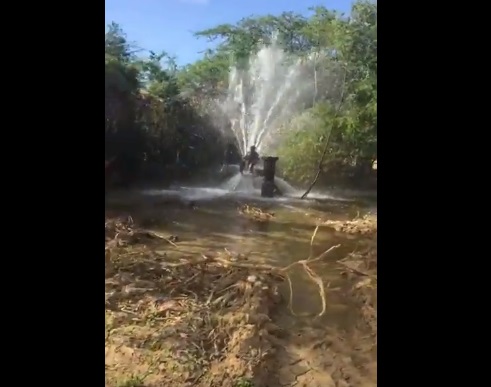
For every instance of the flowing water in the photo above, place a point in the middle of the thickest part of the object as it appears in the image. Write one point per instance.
(206, 220)
(261, 102)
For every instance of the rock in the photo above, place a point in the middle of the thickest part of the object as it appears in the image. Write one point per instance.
(252, 279)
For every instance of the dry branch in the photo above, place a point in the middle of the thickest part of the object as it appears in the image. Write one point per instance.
(283, 271)
(153, 234)
(255, 213)
(326, 146)
(204, 259)
(357, 271)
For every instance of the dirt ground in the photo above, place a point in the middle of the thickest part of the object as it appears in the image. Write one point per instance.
(216, 321)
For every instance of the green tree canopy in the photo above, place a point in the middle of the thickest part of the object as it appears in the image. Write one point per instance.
(156, 109)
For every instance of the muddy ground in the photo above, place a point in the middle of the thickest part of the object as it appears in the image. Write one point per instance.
(216, 320)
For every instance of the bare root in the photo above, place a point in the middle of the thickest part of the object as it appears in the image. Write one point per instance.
(283, 271)
(123, 232)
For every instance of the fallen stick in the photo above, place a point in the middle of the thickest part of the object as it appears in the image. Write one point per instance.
(280, 271)
(357, 271)
(283, 272)
(153, 234)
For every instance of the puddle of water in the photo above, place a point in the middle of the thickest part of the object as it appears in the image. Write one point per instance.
(205, 193)
(213, 224)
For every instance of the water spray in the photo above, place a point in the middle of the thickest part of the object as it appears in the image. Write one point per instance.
(261, 99)
(267, 94)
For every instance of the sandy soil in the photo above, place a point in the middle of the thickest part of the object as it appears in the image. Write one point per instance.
(210, 321)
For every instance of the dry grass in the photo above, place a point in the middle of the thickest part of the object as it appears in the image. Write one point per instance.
(182, 323)
(205, 321)
(366, 225)
(254, 213)
(361, 267)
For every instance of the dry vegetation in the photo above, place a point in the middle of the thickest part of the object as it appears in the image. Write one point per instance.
(255, 214)
(365, 225)
(361, 266)
(210, 321)
(181, 323)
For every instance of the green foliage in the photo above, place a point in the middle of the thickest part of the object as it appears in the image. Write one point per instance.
(244, 383)
(154, 109)
(147, 118)
(351, 123)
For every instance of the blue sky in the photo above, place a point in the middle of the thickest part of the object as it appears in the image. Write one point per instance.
(169, 24)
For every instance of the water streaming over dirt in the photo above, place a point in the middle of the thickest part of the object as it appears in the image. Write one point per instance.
(204, 221)
(207, 219)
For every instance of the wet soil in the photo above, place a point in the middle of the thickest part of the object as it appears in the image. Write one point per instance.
(195, 295)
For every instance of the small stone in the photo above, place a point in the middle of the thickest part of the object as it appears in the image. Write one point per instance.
(252, 279)
(129, 289)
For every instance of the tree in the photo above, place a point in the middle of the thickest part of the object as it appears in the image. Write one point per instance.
(154, 108)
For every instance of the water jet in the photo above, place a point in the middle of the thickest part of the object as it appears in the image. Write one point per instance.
(265, 94)
(263, 97)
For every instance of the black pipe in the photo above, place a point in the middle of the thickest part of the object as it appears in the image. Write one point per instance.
(268, 188)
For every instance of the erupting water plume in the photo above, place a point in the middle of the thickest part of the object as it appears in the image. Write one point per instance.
(266, 98)
(267, 94)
